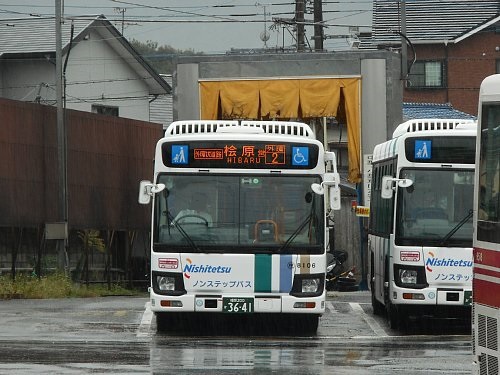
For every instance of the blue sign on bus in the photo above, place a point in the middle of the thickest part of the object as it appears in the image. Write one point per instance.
(423, 150)
(180, 154)
(300, 155)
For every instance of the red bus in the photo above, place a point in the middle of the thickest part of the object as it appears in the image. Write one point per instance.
(486, 269)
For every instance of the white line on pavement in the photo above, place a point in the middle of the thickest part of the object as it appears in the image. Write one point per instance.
(379, 331)
(329, 307)
(147, 317)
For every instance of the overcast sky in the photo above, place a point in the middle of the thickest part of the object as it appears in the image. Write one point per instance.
(211, 26)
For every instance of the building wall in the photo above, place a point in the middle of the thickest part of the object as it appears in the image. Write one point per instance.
(186, 92)
(98, 75)
(161, 106)
(95, 74)
(24, 80)
(468, 63)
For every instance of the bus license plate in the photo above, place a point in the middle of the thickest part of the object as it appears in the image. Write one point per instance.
(237, 305)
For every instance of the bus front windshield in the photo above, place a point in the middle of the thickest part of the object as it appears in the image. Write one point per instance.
(238, 214)
(436, 210)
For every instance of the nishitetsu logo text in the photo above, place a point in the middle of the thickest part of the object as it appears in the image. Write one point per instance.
(432, 261)
(205, 268)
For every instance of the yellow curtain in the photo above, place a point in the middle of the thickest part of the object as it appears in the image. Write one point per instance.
(288, 98)
(279, 98)
(319, 97)
(209, 100)
(239, 99)
(351, 94)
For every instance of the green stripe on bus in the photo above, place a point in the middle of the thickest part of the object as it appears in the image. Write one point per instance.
(262, 273)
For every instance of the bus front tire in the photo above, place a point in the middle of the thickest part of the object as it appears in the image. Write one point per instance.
(393, 316)
(378, 308)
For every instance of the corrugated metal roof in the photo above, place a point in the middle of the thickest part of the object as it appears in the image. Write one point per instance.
(36, 35)
(431, 21)
(433, 110)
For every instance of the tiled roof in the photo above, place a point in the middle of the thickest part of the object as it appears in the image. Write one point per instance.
(432, 21)
(433, 110)
(36, 35)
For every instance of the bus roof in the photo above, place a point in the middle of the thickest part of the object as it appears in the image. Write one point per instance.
(429, 127)
(212, 127)
(489, 88)
(417, 125)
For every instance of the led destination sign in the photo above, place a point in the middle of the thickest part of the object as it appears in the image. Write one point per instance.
(229, 154)
(441, 149)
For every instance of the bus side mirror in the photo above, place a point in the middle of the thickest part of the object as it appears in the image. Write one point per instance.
(331, 181)
(388, 188)
(334, 193)
(147, 190)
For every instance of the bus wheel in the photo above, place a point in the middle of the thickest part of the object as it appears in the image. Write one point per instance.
(393, 316)
(378, 308)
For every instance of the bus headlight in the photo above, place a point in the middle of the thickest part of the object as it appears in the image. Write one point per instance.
(308, 285)
(165, 283)
(168, 283)
(408, 276)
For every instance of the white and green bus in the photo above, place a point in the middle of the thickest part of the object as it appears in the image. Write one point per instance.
(420, 232)
(239, 220)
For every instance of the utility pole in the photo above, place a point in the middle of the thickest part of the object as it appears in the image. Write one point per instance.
(61, 144)
(404, 49)
(318, 25)
(122, 11)
(300, 6)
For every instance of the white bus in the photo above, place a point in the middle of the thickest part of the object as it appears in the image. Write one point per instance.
(420, 232)
(238, 221)
(486, 275)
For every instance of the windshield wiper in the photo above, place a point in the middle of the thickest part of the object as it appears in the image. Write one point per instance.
(295, 233)
(455, 228)
(186, 236)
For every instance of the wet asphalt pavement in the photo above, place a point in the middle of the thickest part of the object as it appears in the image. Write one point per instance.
(118, 335)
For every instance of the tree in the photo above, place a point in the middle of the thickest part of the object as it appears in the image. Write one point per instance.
(161, 58)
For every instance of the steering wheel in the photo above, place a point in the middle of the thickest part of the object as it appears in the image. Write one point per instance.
(179, 219)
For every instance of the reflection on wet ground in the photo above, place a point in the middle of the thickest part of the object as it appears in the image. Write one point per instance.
(424, 346)
(309, 356)
(102, 336)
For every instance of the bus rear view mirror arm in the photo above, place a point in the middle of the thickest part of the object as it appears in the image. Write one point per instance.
(147, 189)
(388, 185)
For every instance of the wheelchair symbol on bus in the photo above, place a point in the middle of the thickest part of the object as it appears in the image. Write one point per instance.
(300, 156)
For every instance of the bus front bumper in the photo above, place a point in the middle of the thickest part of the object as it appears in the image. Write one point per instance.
(260, 304)
(432, 296)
